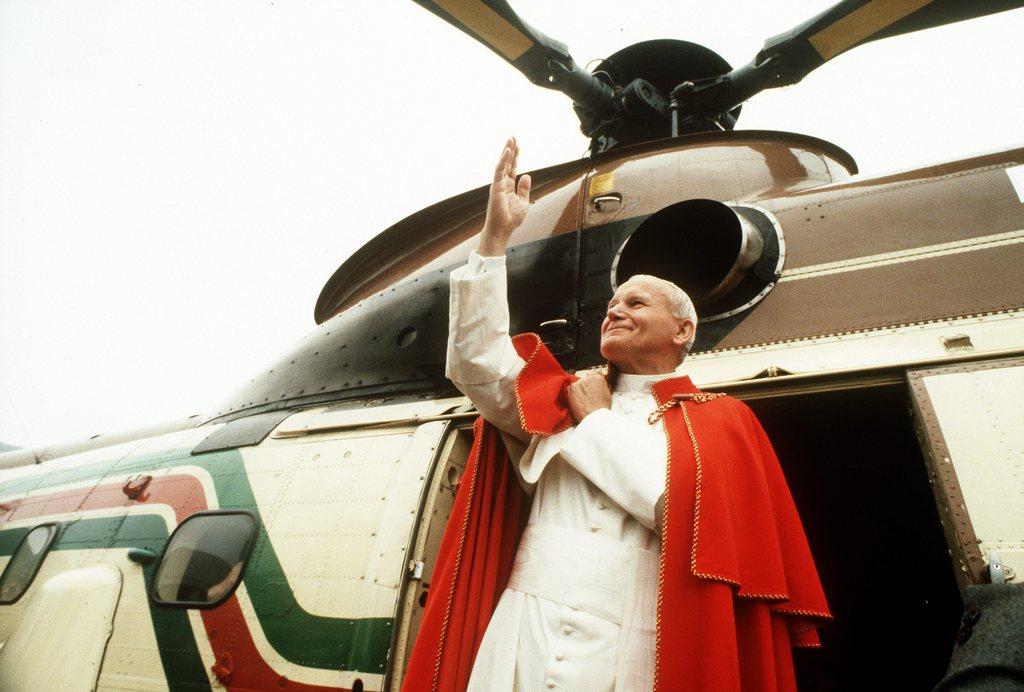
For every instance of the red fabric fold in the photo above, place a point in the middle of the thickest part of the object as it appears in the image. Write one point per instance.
(472, 567)
(541, 384)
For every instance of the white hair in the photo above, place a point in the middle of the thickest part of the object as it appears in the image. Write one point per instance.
(679, 302)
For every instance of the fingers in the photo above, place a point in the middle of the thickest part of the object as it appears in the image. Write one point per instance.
(508, 161)
(523, 190)
(501, 170)
(589, 379)
(611, 375)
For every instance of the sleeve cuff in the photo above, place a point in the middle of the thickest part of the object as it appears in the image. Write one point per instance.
(478, 264)
(626, 466)
(479, 349)
(584, 431)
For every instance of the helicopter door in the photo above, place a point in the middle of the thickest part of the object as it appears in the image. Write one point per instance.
(968, 421)
(43, 653)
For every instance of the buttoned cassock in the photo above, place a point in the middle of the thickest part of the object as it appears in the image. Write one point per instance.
(592, 519)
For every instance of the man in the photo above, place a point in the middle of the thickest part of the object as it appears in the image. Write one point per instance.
(591, 601)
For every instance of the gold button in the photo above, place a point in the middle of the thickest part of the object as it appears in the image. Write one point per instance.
(567, 629)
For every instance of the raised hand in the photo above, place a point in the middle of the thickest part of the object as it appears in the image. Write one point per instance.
(507, 203)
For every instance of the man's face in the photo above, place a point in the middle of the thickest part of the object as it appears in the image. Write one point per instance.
(639, 327)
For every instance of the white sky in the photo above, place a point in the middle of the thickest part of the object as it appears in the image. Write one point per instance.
(179, 179)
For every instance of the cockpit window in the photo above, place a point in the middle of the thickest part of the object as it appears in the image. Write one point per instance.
(25, 562)
(204, 559)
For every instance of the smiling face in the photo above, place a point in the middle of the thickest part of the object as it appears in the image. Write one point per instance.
(640, 334)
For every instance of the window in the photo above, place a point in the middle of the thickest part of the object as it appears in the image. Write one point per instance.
(25, 562)
(204, 559)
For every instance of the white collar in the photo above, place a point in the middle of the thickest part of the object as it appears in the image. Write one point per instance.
(639, 383)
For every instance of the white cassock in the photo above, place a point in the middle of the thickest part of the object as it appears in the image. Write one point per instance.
(580, 609)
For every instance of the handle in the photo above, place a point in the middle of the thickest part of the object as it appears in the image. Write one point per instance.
(606, 203)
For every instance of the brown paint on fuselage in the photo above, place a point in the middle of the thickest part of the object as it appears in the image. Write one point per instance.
(554, 211)
(939, 204)
(924, 290)
(825, 216)
(723, 166)
(732, 168)
(859, 219)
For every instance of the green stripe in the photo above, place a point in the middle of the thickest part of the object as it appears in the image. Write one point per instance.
(298, 636)
(178, 652)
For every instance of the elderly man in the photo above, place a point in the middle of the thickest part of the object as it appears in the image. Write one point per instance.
(595, 598)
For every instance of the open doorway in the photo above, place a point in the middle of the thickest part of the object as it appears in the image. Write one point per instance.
(860, 483)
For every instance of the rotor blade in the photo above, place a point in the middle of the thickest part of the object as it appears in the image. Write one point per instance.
(788, 57)
(854, 22)
(545, 61)
(494, 24)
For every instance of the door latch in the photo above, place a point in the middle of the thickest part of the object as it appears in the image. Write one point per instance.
(558, 334)
(606, 203)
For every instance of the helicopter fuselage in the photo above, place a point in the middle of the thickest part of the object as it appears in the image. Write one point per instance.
(833, 303)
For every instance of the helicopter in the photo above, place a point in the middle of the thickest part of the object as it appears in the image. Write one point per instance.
(285, 539)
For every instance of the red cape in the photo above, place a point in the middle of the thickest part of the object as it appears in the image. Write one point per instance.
(737, 584)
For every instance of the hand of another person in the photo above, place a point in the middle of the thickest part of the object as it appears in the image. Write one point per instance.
(507, 203)
(588, 394)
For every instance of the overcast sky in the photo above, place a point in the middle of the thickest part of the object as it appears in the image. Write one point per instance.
(179, 179)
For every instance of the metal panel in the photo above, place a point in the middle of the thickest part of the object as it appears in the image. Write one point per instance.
(926, 289)
(321, 420)
(435, 507)
(43, 653)
(969, 422)
(927, 206)
(395, 341)
(244, 432)
(339, 508)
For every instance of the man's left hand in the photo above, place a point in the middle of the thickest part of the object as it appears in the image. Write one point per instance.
(588, 394)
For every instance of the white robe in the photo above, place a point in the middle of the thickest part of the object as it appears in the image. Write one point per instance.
(594, 488)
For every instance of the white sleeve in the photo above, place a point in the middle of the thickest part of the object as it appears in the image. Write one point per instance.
(481, 360)
(622, 457)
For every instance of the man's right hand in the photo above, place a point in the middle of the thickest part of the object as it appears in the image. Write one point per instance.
(588, 394)
(507, 203)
